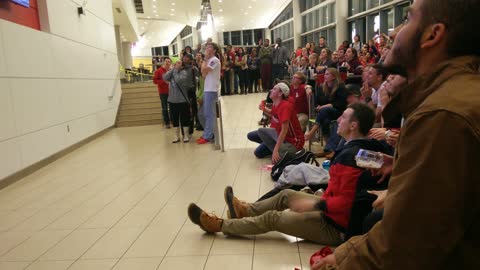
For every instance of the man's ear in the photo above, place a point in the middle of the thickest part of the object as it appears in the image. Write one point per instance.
(433, 35)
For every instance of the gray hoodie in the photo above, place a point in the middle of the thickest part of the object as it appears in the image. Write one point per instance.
(179, 80)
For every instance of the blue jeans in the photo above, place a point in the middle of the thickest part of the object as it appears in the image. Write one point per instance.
(210, 113)
(166, 116)
(325, 116)
(262, 150)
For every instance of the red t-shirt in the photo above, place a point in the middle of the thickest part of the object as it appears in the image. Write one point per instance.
(285, 112)
(158, 80)
(298, 97)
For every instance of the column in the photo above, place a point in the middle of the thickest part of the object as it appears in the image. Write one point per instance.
(297, 25)
(118, 40)
(341, 14)
(127, 54)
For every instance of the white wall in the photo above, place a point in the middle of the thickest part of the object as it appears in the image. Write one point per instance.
(55, 85)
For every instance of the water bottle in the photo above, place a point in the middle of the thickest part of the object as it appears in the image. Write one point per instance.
(369, 159)
(326, 164)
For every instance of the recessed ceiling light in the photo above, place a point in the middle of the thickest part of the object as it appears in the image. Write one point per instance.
(249, 6)
(173, 4)
(156, 15)
(145, 22)
(220, 10)
(172, 9)
(148, 17)
(171, 14)
(246, 13)
(154, 11)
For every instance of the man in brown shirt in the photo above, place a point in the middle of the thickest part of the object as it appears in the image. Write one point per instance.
(432, 210)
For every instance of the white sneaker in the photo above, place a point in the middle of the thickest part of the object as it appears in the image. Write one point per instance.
(176, 139)
(187, 138)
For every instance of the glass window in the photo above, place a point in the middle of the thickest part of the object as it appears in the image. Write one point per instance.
(332, 13)
(373, 3)
(324, 16)
(226, 38)
(390, 20)
(357, 27)
(247, 37)
(357, 6)
(236, 38)
(286, 14)
(304, 23)
(258, 34)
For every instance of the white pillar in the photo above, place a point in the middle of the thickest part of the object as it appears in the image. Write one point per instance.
(118, 40)
(127, 54)
(341, 14)
(297, 26)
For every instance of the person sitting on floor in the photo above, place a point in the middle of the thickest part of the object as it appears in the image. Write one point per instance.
(325, 220)
(285, 134)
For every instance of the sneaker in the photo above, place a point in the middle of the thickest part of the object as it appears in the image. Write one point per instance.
(202, 141)
(186, 138)
(176, 139)
(207, 222)
(236, 208)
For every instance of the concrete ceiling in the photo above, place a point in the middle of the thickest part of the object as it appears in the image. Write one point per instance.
(162, 20)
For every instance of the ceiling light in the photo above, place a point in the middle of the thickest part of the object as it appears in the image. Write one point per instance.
(154, 11)
(220, 10)
(173, 4)
(249, 6)
(172, 9)
(145, 22)
(246, 13)
(171, 14)
(156, 15)
(148, 17)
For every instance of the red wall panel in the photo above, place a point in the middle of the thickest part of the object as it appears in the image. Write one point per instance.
(19, 14)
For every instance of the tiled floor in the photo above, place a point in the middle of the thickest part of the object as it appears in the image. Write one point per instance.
(120, 202)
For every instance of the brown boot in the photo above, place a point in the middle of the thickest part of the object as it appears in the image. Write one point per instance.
(207, 222)
(236, 208)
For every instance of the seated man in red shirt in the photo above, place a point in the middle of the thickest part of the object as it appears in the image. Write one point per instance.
(328, 219)
(285, 134)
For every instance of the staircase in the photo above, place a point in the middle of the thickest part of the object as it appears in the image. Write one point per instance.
(140, 105)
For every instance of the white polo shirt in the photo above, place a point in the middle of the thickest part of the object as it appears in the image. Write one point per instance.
(212, 80)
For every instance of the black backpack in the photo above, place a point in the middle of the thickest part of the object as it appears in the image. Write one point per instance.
(295, 159)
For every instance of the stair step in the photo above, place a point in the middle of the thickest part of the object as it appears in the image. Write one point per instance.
(139, 123)
(140, 100)
(140, 111)
(140, 95)
(138, 85)
(146, 105)
(140, 89)
(140, 117)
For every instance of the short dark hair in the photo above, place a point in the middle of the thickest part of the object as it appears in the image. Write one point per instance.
(364, 115)
(461, 22)
(381, 71)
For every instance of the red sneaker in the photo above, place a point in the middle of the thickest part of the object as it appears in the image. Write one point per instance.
(202, 141)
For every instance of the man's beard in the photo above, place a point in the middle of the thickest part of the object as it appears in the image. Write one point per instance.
(401, 59)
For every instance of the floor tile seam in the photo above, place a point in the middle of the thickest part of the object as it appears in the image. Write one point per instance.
(107, 231)
(155, 216)
(93, 178)
(81, 203)
(145, 228)
(184, 223)
(54, 178)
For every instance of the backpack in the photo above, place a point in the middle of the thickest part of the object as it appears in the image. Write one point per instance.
(295, 159)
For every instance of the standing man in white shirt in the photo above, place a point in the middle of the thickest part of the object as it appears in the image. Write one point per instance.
(211, 72)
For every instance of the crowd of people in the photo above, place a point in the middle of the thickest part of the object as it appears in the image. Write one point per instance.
(417, 105)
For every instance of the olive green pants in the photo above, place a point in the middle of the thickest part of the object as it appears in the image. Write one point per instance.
(272, 215)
